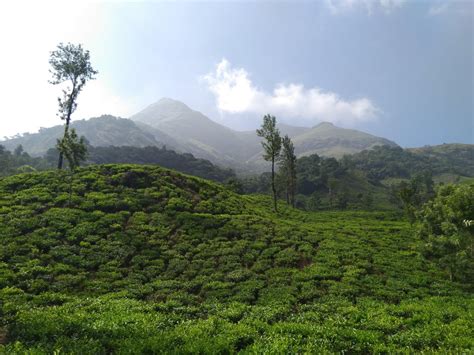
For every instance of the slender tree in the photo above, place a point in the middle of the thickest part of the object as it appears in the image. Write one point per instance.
(70, 63)
(271, 146)
(287, 163)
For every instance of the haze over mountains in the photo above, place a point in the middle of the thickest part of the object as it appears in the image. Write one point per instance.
(172, 123)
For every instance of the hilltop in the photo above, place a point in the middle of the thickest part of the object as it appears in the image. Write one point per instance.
(127, 258)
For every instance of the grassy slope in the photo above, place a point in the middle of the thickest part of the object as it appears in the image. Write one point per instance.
(140, 258)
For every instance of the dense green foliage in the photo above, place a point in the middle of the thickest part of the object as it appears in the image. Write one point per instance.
(20, 161)
(185, 163)
(142, 259)
(384, 162)
(448, 230)
(73, 148)
(381, 178)
(326, 183)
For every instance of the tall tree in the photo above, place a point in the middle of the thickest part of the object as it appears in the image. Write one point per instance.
(287, 165)
(271, 146)
(70, 63)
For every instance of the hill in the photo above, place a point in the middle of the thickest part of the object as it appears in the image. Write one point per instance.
(448, 161)
(328, 140)
(140, 259)
(453, 158)
(99, 131)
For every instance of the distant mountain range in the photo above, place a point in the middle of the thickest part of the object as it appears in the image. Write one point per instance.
(173, 124)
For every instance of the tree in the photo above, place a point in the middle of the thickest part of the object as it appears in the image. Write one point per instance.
(271, 146)
(70, 63)
(446, 231)
(18, 152)
(72, 148)
(415, 193)
(287, 165)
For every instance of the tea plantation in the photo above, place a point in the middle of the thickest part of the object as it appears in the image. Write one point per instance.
(132, 259)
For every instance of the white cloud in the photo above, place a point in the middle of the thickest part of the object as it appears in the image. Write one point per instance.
(235, 93)
(28, 32)
(386, 6)
(438, 9)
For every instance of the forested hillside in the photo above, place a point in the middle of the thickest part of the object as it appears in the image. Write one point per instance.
(370, 179)
(20, 161)
(393, 162)
(140, 259)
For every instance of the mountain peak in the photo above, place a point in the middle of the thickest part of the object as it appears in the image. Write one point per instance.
(324, 124)
(170, 105)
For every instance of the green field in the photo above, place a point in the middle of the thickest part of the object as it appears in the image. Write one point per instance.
(140, 259)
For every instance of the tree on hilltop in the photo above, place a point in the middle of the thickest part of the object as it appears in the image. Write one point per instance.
(69, 63)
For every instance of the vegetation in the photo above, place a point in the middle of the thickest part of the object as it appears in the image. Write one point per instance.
(384, 162)
(140, 259)
(72, 148)
(415, 193)
(20, 161)
(271, 147)
(287, 165)
(448, 231)
(69, 63)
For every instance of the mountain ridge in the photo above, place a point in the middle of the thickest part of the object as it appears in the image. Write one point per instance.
(174, 124)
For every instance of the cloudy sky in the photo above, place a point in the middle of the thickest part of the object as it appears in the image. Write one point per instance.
(396, 68)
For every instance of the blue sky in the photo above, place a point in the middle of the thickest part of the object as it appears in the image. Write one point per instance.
(394, 68)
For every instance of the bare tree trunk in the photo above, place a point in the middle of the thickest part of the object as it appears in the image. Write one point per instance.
(68, 120)
(273, 185)
(292, 193)
(61, 158)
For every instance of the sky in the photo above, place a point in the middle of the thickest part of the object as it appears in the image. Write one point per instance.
(395, 68)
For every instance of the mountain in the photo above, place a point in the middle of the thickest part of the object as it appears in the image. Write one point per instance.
(129, 259)
(100, 131)
(172, 123)
(197, 133)
(207, 139)
(329, 140)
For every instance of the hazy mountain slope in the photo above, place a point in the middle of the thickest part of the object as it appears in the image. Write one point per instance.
(292, 131)
(208, 139)
(332, 141)
(200, 135)
(99, 131)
